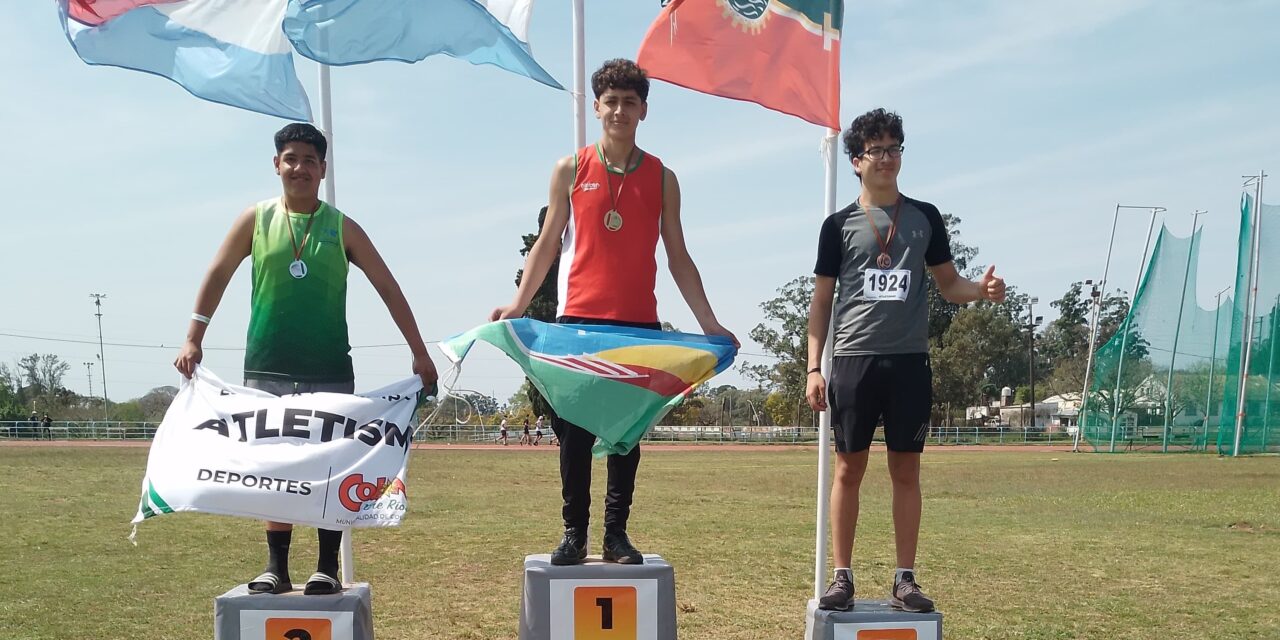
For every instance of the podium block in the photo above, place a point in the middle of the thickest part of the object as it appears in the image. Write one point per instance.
(242, 615)
(871, 620)
(598, 600)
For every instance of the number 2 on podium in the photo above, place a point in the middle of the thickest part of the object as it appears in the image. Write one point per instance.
(604, 613)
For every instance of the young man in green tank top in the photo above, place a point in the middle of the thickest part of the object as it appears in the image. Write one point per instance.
(297, 339)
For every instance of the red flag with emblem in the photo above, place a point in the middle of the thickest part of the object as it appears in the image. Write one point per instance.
(781, 54)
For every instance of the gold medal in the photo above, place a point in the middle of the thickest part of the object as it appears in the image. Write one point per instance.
(612, 219)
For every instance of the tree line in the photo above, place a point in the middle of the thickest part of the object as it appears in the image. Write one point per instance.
(34, 383)
(975, 350)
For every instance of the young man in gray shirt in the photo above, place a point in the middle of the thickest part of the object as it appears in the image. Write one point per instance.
(877, 250)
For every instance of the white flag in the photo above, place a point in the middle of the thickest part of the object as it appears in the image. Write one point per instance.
(328, 460)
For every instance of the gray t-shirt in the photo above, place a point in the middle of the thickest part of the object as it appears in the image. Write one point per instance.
(847, 246)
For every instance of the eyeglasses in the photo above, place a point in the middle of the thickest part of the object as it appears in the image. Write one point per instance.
(876, 153)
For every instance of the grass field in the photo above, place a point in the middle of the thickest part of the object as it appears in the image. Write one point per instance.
(1015, 545)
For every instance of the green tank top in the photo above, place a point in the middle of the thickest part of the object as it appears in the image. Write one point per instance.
(298, 326)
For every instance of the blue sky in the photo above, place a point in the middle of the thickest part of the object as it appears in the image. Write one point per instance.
(1030, 121)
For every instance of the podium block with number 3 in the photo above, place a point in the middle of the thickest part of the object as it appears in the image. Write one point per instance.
(871, 620)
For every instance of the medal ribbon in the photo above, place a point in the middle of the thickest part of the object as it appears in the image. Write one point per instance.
(613, 200)
(893, 227)
(306, 233)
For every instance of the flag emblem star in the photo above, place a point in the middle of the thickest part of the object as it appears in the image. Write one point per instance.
(748, 15)
(781, 54)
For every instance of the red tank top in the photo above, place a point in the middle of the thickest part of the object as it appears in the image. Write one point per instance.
(608, 266)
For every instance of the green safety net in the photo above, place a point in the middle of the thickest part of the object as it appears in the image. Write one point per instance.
(1253, 425)
(1173, 378)
(1158, 383)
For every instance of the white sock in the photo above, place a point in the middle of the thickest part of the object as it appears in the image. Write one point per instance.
(897, 574)
(847, 572)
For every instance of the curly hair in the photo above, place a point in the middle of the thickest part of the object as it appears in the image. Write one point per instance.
(302, 132)
(621, 74)
(869, 126)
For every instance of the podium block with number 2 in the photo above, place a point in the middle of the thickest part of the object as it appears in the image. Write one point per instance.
(240, 614)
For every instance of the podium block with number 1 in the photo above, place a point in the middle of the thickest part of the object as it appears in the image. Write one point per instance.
(598, 601)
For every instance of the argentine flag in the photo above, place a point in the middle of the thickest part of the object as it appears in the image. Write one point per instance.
(240, 52)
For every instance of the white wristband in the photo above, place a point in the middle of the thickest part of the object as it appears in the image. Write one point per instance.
(199, 318)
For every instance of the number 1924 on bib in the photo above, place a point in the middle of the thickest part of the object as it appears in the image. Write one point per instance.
(886, 284)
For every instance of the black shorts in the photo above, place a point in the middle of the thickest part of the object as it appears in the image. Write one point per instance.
(865, 389)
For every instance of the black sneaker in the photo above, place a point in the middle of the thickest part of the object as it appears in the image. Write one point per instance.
(839, 596)
(617, 548)
(907, 596)
(572, 550)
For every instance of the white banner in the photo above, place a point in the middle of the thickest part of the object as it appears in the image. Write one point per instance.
(329, 460)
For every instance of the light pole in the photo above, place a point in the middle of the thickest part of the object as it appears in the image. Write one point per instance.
(1033, 321)
(755, 415)
(1095, 300)
(1271, 360)
(1124, 337)
(97, 302)
(88, 369)
(1177, 327)
(1213, 360)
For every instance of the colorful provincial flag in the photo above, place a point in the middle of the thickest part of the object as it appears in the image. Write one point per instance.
(781, 54)
(615, 382)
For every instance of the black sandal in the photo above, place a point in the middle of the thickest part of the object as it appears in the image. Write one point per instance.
(269, 582)
(321, 584)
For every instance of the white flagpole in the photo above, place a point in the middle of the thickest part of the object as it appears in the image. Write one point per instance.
(326, 126)
(331, 196)
(579, 77)
(824, 419)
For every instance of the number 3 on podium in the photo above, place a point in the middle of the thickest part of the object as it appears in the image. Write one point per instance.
(604, 613)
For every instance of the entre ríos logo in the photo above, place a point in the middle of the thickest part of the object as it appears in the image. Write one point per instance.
(354, 491)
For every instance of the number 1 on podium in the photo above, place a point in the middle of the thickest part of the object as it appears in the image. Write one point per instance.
(604, 613)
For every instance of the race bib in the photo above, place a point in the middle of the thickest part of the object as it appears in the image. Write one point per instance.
(886, 284)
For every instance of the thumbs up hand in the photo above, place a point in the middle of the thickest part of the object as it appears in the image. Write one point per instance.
(991, 286)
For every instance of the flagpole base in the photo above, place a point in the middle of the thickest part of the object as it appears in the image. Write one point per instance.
(243, 615)
(870, 619)
(598, 599)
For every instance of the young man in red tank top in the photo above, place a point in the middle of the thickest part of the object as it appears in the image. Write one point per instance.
(609, 205)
